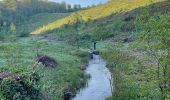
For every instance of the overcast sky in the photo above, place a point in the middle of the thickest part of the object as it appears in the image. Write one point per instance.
(83, 3)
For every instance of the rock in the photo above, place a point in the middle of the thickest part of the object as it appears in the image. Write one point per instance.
(96, 52)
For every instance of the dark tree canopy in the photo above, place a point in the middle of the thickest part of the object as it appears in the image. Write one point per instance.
(15, 11)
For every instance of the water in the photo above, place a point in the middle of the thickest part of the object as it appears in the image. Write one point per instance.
(99, 87)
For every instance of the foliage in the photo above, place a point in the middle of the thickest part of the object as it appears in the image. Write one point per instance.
(155, 36)
(18, 11)
(13, 13)
(135, 70)
(96, 13)
(38, 20)
(134, 76)
(52, 83)
(132, 79)
(19, 89)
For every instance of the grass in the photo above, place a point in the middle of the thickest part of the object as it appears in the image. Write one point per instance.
(134, 71)
(133, 75)
(18, 57)
(116, 26)
(39, 20)
(96, 13)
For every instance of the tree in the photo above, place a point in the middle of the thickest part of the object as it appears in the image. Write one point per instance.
(79, 6)
(68, 7)
(155, 35)
(100, 33)
(14, 12)
(75, 7)
(11, 4)
(63, 6)
(13, 27)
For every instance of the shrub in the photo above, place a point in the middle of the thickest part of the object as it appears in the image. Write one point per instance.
(19, 89)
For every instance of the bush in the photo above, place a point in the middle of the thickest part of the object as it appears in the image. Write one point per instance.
(24, 34)
(85, 56)
(19, 89)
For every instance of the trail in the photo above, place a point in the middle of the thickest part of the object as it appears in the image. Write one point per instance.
(99, 87)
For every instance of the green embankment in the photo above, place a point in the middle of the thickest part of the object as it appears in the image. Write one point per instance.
(134, 69)
(18, 57)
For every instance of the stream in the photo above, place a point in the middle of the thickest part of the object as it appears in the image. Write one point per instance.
(99, 85)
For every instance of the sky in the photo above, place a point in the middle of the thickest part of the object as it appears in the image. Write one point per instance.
(83, 3)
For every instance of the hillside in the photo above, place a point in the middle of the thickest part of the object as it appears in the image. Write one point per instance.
(39, 20)
(116, 26)
(101, 11)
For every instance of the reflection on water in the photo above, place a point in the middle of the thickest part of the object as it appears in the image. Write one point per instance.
(99, 87)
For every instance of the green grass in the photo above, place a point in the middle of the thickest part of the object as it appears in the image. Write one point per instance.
(39, 20)
(19, 57)
(133, 76)
(98, 12)
(115, 26)
(134, 71)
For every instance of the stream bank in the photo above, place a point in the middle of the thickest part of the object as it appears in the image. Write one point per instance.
(99, 85)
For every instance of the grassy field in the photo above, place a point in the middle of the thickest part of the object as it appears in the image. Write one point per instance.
(18, 57)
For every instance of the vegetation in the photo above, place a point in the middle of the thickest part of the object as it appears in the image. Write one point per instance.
(37, 21)
(155, 35)
(133, 38)
(67, 76)
(14, 12)
(96, 13)
(140, 69)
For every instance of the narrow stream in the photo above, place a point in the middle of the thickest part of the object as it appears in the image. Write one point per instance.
(99, 87)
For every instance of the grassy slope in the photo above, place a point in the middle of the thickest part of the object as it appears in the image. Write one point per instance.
(39, 20)
(95, 13)
(135, 71)
(115, 26)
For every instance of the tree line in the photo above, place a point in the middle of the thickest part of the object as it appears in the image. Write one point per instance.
(16, 11)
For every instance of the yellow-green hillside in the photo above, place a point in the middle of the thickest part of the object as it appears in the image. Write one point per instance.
(97, 12)
(39, 20)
